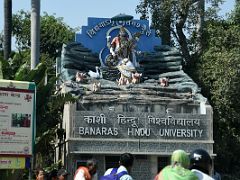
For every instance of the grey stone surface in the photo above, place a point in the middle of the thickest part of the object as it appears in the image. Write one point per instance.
(142, 125)
(115, 147)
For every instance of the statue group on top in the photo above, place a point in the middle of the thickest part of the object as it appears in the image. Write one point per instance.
(120, 61)
(121, 57)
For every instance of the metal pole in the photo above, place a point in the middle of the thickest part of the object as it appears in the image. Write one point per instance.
(35, 33)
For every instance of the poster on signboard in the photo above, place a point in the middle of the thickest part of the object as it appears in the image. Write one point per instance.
(12, 162)
(17, 117)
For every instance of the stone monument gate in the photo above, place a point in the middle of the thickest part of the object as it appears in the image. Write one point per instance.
(150, 118)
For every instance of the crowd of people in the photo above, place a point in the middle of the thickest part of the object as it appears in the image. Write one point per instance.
(60, 174)
(196, 166)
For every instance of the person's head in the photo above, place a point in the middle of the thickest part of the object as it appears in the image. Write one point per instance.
(53, 174)
(180, 157)
(126, 160)
(92, 166)
(40, 173)
(62, 174)
(200, 160)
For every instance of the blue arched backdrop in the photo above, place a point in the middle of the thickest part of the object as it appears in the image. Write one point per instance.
(93, 36)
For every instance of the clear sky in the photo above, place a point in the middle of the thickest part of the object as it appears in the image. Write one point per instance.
(75, 12)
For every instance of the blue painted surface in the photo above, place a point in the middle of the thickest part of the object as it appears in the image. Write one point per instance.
(94, 35)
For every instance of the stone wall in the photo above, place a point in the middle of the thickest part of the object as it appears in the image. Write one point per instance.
(139, 129)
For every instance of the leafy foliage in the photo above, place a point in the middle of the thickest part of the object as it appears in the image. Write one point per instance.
(22, 29)
(235, 16)
(54, 32)
(219, 71)
(179, 23)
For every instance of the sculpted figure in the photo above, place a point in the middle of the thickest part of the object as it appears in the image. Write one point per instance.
(96, 86)
(120, 45)
(136, 77)
(164, 81)
(80, 76)
(121, 49)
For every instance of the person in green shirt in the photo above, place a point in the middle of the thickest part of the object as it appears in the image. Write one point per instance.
(178, 170)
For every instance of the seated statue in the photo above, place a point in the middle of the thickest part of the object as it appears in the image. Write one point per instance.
(121, 49)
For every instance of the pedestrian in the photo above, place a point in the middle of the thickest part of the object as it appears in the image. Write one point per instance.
(86, 172)
(40, 174)
(122, 172)
(62, 174)
(53, 175)
(178, 170)
(201, 164)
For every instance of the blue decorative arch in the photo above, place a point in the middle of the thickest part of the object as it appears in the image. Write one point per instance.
(93, 36)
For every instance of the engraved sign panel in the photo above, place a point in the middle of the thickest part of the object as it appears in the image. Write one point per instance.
(135, 125)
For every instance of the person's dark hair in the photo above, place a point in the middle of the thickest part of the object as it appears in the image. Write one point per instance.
(92, 166)
(200, 160)
(38, 171)
(91, 162)
(53, 173)
(126, 159)
(62, 172)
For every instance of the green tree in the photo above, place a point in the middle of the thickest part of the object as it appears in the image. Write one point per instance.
(180, 23)
(235, 17)
(49, 109)
(53, 33)
(49, 105)
(218, 71)
(155, 9)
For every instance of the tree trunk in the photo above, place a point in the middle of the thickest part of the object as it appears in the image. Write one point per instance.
(35, 33)
(199, 26)
(165, 19)
(165, 29)
(7, 28)
(181, 36)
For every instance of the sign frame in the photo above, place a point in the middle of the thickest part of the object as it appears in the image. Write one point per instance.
(17, 118)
